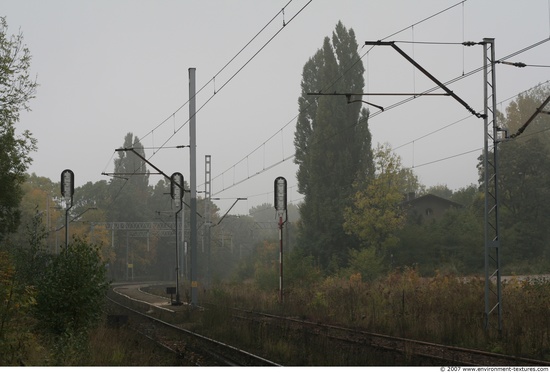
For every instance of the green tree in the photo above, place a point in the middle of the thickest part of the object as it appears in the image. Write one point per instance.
(31, 257)
(376, 215)
(453, 243)
(440, 190)
(524, 180)
(70, 298)
(89, 195)
(333, 147)
(130, 186)
(16, 322)
(129, 198)
(16, 90)
(466, 196)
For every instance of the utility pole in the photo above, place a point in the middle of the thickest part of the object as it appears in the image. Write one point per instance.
(493, 293)
(491, 130)
(207, 197)
(193, 184)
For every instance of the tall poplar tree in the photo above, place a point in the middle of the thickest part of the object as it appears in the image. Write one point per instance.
(333, 147)
(129, 203)
(130, 187)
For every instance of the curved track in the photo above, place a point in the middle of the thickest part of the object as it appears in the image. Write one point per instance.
(196, 349)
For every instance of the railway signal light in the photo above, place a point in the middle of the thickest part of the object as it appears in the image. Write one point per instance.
(176, 187)
(67, 185)
(280, 194)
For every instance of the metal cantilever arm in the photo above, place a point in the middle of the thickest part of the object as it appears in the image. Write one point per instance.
(537, 112)
(366, 102)
(150, 164)
(425, 72)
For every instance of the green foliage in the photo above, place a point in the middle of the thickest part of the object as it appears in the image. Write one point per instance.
(467, 196)
(453, 243)
(333, 147)
(129, 196)
(524, 182)
(16, 90)
(16, 301)
(299, 270)
(440, 190)
(263, 268)
(70, 297)
(525, 197)
(130, 205)
(367, 263)
(31, 257)
(266, 269)
(376, 215)
(442, 308)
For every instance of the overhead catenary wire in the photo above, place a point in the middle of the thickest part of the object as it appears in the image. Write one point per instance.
(425, 19)
(464, 75)
(347, 69)
(537, 112)
(285, 23)
(238, 71)
(472, 72)
(479, 149)
(397, 104)
(295, 118)
(446, 158)
(213, 79)
(465, 118)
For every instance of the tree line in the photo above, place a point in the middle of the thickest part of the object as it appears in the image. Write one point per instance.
(352, 217)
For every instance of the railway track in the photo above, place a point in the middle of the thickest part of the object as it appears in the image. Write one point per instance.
(193, 348)
(306, 338)
(435, 354)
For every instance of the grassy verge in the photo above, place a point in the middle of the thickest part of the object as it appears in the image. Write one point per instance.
(124, 347)
(442, 309)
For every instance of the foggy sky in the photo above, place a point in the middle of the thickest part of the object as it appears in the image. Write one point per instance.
(106, 68)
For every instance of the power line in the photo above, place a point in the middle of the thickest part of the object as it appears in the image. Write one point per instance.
(377, 113)
(463, 119)
(447, 158)
(236, 73)
(213, 79)
(230, 79)
(433, 132)
(346, 70)
(464, 75)
(479, 149)
(425, 19)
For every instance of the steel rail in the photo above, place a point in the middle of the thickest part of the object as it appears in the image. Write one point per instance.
(217, 344)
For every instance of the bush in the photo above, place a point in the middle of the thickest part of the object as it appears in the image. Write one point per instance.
(70, 298)
(15, 323)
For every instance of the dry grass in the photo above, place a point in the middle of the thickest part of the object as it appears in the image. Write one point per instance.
(442, 309)
(124, 347)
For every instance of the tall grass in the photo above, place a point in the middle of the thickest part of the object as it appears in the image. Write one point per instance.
(442, 309)
(124, 347)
